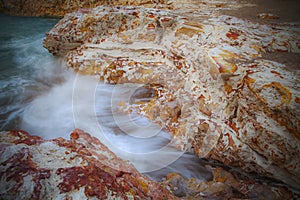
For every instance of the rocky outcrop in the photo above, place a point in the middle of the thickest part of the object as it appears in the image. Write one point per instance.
(79, 168)
(213, 90)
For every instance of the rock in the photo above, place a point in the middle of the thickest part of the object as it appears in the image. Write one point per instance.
(58, 8)
(79, 168)
(229, 103)
(224, 186)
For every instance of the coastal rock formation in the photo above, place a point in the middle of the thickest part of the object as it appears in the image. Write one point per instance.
(214, 91)
(79, 168)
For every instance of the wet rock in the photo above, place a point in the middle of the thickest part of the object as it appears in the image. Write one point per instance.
(224, 186)
(79, 168)
(214, 92)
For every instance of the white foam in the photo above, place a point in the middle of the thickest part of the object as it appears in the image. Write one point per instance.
(82, 102)
(50, 114)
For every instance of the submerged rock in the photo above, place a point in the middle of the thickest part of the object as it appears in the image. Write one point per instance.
(79, 168)
(214, 92)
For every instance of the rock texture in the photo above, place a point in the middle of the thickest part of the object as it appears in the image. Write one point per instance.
(79, 168)
(59, 8)
(213, 90)
(83, 168)
(224, 186)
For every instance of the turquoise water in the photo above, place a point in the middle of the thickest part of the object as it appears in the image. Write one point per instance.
(26, 68)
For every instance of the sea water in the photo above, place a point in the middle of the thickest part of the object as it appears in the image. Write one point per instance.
(39, 95)
(27, 70)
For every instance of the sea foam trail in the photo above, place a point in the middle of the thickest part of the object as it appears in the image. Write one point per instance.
(82, 102)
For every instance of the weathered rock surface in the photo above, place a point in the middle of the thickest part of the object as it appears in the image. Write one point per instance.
(79, 168)
(59, 8)
(214, 91)
(224, 186)
(83, 168)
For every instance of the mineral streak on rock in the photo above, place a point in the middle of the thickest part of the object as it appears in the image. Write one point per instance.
(79, 168)
(229, 104)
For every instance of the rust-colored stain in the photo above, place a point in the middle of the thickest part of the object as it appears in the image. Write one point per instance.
(232, 35)
(22, 165)
(276, 73)
(297, 99)
(150, 26)
(94, 180)
(151, 15)
(166, 19)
